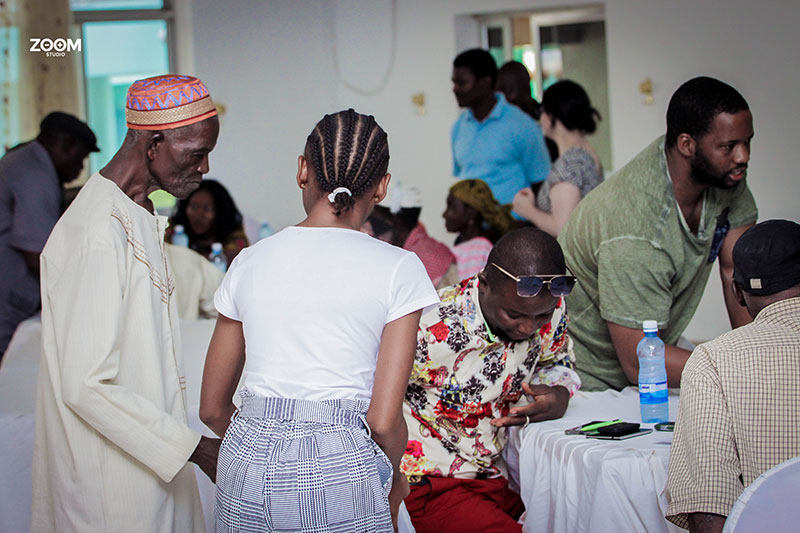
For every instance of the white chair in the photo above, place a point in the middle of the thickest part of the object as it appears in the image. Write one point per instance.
(771, 503)
(404, 524)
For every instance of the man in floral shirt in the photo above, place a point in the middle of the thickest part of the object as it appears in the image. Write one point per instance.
(494, 353)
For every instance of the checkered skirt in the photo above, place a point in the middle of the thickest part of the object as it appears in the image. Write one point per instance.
(301, 466)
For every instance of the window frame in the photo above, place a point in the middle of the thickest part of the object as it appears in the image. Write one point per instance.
(166, 13)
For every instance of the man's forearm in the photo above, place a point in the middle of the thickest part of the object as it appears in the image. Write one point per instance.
(625, 342)
(706, 523)
(675, 359)
(737, 314)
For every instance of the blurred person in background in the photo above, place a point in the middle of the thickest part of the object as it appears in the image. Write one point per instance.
(31, 201)
(479, 220)
(210, 215)
(396, 221)
(493, 140)
(514, 81)
(567, 117)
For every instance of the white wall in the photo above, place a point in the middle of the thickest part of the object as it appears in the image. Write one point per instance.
(271, 64)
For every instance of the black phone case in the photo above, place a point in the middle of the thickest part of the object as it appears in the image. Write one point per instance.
(622, 428)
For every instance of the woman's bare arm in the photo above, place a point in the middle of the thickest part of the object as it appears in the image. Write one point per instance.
(564, 198)
(223, 368)
(385, 414)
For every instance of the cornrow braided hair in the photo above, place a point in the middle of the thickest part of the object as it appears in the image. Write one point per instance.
(348, 149)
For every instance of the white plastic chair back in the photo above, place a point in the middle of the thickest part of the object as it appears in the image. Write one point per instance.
(404, 524)
(771, 503)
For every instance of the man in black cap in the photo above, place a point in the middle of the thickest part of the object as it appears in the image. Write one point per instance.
(739, 413)
(31, 196)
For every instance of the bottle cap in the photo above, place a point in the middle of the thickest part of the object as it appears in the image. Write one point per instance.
(179, 228)
(650, 326)
(216, 247)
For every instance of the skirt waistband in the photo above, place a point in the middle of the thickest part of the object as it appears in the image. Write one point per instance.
(345, 412)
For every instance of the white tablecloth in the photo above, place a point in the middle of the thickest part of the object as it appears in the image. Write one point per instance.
(573, 484)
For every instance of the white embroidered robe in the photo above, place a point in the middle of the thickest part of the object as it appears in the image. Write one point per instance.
(112, 440)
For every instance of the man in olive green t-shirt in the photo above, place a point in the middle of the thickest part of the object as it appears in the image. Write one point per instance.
(643, 243)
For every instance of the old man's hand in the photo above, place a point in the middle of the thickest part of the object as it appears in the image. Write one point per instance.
(205, 456)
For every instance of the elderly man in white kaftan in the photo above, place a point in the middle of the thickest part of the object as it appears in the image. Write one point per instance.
(112, 440)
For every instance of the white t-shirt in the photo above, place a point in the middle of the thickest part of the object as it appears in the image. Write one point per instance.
(313, 303)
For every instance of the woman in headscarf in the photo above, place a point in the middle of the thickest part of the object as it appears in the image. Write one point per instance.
(479, 220)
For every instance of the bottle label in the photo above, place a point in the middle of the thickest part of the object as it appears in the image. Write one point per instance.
(652, 387)
(653, 393)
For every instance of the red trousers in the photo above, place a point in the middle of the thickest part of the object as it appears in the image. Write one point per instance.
(442, 504)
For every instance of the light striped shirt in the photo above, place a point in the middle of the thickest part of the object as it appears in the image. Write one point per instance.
(471, 256)
(739, 413)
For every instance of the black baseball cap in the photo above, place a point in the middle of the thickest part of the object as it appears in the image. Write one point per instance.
(766, 258)
(66, 123)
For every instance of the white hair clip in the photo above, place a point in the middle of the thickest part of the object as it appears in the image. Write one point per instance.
(337, 190)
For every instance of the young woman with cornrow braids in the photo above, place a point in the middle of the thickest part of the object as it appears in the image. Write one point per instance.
(320, 320)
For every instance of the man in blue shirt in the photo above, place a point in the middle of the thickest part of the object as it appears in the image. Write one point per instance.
(493, 140)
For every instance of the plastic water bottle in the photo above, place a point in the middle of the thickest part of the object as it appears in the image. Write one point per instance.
(652, 376)
(179, 238)
(265, 230)
(217, 257)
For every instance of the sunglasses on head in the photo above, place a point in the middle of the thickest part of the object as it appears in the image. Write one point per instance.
(529, 286)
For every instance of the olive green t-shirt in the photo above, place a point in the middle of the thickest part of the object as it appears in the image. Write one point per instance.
(636, 259)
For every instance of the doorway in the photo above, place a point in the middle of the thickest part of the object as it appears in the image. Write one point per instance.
(553, 45)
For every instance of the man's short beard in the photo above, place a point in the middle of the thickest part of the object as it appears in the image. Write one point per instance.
(703, 172)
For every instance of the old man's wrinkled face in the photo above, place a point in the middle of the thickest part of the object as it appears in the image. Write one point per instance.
(180, 159)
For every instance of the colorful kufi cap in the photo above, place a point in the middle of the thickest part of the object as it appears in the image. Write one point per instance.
(167, 102)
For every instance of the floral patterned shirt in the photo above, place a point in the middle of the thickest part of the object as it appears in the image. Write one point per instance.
(463, 377)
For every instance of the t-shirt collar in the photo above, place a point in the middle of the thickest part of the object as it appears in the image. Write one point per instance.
(779, 311)
(662, 157)
(497, 111)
